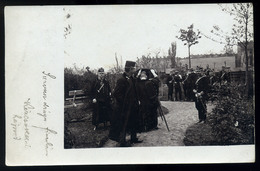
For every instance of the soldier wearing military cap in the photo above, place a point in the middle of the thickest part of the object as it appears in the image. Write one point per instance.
(189, 82)
(177, 84)
(125, 116)
(169, 83)
(101, 95)
(201, 96)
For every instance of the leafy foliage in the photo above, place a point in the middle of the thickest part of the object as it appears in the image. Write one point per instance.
(242, 30)
(79, 79)
(74, 80)
(232, 120)
(172, 54)
(190, 38)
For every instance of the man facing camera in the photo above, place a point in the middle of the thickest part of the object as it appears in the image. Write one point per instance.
(101, 95)
(125, 116)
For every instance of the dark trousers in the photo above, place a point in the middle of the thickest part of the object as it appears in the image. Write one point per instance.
(129, 124)
(122, 136)
(178, 92)
(202, 108)
(170, 92)
(101, 113)
(170, 97)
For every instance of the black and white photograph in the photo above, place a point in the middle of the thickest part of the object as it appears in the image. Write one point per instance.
(147, 76)
(120, 84)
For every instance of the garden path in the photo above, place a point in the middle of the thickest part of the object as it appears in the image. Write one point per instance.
(181, 115)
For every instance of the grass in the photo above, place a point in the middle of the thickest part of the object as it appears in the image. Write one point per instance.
(79, 132)
(199, 134)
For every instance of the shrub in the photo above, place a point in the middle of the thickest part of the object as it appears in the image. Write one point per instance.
(232, 119)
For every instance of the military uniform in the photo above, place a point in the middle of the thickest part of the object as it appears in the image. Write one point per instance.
(178, 92)
(101, 92)
(125, 116)
(189, 82)
(169, 83)
(202, 88)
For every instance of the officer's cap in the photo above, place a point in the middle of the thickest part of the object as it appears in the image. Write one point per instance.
(101, 70)
(129, 64)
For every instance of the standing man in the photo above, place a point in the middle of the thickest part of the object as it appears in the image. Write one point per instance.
(169, 83)
(125, 116)
(101, 95)
(190, 84)
(177, 83)
(201, 96)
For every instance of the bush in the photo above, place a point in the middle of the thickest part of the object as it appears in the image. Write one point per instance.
(232, 120)
(83, 80)
(77, 81)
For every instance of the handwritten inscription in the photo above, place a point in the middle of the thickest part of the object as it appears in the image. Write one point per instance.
(45, 76)
(48, 144)
(44, 94)
(45, 108)
(44, 111)
(27, 110)
(15, 124)
(23, 121)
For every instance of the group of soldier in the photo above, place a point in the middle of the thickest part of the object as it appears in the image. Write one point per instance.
(182, 83)
(132, 105)
(195, 86)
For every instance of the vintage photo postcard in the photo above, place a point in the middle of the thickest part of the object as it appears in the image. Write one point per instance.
(129, 84)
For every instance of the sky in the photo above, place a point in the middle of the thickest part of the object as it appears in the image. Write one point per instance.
(99, 32)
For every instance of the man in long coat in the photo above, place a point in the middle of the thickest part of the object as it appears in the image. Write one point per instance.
(125, 116)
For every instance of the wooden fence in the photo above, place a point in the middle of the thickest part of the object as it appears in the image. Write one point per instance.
(239, 76)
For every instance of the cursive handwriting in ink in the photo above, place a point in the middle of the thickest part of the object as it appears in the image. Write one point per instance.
(49, 75)
(27, 110)
(48, 144)
(45, 76)
(44, 111)
(15, 125)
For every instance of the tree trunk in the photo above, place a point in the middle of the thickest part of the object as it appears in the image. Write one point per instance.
(246, 53)
(189, 56)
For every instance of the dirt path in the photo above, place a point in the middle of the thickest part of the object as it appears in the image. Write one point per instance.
(181, 115)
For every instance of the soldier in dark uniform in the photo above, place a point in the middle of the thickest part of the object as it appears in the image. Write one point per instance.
(147, 90)
(201, 96)
(177, 84)
(101, 96)
(184, 76)
(125, 116)
(190, 84)
(169, 83)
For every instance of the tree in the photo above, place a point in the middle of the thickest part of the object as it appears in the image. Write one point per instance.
(190, 37)
(144, 61)
(242, 31)
(172, 54)
(117, 68)
(228, 48)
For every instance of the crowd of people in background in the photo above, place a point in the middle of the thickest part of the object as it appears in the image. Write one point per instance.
(195, 86)
(181, 83)
(131, 107)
